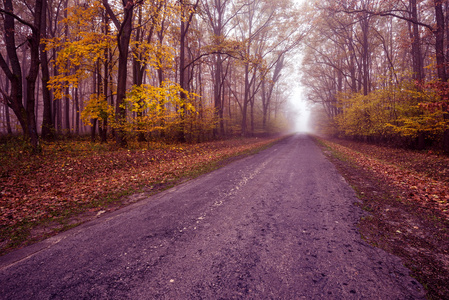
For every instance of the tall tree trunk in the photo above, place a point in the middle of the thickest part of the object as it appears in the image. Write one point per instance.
(67, 111)
(441, 59)
(56, 103)
(32, 75)
(57, 106)
(352, 63)
(58, 114)
(186, 16)
(24, 74)
(67, 91)
(95, 88)
(104, 135)
(218, 91)
(418, 69)
(365, 55)
(229, 99)
(100, 94)
(182, 72)
(245, 100)
(77, 112)
(447, 37)
(123, 41)
(6, 107)
(264, 105)
(252, 115)
(201, 131)
(160, 75)
(104, 123)
(48, 127)
(124, 28)
(138, 72)
(439, 40)
(8, 119)
(36, 92)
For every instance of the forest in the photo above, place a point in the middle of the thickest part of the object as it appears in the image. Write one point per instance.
(197, 70)
(378, 70)
(173, 70)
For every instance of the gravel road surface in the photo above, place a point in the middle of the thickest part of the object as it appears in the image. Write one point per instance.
(280, 224)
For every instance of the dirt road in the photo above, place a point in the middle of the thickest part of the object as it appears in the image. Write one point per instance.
(277, 225)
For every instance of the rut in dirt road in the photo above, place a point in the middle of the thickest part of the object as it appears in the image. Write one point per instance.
(277, 225)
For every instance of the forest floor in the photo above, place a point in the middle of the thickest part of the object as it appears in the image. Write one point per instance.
(72, 182)
(406, 195)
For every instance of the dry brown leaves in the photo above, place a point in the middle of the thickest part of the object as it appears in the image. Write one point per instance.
(44, 187)
(418, 177)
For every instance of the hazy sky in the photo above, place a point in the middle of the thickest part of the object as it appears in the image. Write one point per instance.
(299, 102)
(297, 97)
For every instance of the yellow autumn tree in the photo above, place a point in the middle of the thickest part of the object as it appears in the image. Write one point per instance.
(156, 108)
(421, 110)
(78, 54)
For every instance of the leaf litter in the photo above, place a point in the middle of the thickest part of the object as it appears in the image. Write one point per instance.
(43, 194)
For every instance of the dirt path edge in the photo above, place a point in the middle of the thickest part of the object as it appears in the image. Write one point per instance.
(420, 238)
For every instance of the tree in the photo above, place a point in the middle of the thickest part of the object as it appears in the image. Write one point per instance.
(124, 29)
(48, 128)
(188, 10)
(25, 114)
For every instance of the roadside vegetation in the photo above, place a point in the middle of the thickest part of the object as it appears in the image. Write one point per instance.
(406, 196)
(73, 181)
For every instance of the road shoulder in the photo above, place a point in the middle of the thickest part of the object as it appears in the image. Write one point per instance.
(420, 238)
